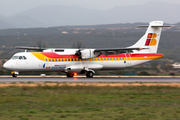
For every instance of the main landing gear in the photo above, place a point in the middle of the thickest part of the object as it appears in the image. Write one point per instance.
(70, 75)
(89, 74)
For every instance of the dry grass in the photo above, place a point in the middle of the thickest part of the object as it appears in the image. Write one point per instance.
(29, 84)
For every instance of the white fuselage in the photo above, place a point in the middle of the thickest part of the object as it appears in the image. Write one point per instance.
(66, 61)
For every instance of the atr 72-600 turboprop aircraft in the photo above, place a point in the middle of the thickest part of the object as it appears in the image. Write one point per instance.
(76, 61)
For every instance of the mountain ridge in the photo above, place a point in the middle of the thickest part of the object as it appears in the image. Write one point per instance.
(58, 15)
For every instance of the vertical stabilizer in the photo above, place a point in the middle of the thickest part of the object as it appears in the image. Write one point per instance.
(151, 38)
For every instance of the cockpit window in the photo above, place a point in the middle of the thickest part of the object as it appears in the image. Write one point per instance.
(19, 57)
(24, 57)
(15, 57)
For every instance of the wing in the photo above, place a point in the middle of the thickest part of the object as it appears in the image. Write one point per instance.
(108, 51)
(30, 48)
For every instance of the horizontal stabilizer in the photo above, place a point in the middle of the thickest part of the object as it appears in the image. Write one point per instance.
(144, 26)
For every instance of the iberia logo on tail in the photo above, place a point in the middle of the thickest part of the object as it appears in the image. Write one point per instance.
(151, 39)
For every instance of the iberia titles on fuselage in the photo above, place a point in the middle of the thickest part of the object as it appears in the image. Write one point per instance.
(87, 61)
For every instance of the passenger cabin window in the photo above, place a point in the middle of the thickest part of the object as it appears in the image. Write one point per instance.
(59, 50)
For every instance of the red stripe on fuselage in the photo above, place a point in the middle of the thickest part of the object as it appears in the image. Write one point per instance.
(146, 54)
(55, 55)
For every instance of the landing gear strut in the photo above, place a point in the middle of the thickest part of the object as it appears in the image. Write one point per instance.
(89, 74)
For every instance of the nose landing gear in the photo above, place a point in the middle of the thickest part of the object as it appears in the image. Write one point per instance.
(14, 74)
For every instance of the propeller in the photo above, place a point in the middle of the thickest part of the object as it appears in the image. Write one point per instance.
(78, 53)
(40, 45)
(78, 45)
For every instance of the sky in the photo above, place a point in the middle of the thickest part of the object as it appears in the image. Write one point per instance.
(10, 7)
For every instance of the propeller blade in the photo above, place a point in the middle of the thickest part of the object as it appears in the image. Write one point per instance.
(78, 45)
(39, 43)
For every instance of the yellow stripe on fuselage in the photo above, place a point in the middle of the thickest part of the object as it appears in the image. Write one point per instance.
(146, 58)
(39, 56)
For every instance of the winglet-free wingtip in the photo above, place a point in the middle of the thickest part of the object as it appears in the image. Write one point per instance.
(29, 48)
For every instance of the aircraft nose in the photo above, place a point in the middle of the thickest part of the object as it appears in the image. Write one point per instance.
(7, 65)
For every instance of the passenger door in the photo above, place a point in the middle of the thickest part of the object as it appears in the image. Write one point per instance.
(128, 60)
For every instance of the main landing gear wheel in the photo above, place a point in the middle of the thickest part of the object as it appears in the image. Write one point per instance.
(14, 75)
(89, 74)
(69, 75)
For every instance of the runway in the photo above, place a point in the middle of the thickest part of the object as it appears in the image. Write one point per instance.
(89, 80)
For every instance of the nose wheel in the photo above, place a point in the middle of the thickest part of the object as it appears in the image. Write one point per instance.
(14, 74)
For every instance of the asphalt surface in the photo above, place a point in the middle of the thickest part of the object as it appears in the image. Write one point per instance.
(88, 80)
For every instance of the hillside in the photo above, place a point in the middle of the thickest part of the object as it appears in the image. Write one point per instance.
(5, 25)
(56, 15)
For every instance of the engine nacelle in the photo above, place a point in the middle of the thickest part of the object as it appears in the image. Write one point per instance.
(89, 53)
(74, 68)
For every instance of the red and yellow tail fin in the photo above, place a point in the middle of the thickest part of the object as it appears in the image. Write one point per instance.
(151, 38)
